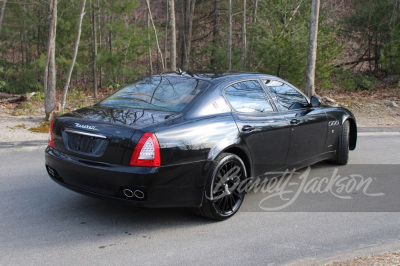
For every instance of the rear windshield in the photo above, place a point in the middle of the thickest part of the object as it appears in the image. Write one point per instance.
(157, 93)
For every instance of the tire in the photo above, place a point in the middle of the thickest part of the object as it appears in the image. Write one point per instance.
(221, 196)
(342, 150)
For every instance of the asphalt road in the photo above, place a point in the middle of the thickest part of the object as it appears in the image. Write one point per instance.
(44, 223)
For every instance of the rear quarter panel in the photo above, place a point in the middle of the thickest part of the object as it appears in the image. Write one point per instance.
(197, 139)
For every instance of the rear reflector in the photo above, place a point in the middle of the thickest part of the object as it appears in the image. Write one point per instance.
(51, 140)
(147, 152)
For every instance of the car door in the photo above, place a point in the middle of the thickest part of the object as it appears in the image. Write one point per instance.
(264, 131)
(308, 124)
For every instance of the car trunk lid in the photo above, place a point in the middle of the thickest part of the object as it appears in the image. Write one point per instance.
(102, 133)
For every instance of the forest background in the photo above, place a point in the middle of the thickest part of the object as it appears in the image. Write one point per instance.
(121, 41)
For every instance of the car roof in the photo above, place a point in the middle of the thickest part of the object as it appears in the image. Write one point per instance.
(215, 77)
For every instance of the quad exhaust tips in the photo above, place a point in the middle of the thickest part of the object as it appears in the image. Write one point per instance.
(137, 194)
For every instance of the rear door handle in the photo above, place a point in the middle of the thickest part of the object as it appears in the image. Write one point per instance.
(248, 128)
(294, 121)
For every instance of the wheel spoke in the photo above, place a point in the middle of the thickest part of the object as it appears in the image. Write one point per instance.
(237, 194)
(232, 202)
(225, 204)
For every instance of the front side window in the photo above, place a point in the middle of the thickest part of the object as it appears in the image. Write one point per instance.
(163, 93)
(248, 97)
(286, 97)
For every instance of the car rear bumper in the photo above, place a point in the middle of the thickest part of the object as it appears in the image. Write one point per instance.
(169, 186)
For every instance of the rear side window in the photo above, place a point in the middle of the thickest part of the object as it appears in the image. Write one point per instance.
(248, 97)
(285, 97)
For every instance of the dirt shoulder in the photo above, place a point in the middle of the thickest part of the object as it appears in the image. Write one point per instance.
(379, 255)
(378, 107)
(377, 260)
(16, 131)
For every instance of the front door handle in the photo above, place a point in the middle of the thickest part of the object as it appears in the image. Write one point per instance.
(248, 128)
(294, 121)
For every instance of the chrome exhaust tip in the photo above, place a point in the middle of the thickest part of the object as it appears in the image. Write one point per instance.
(128, 193)
(138, 194)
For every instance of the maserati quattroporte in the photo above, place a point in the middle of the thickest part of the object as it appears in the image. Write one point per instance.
(184, 139)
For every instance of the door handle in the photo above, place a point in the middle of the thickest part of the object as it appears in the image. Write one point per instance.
(248, 128)
(294, 121)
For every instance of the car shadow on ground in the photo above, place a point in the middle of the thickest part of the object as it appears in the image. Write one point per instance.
(104, 211)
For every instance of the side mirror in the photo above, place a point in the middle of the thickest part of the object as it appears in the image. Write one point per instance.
(315, 101)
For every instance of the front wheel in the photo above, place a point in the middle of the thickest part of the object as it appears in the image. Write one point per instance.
(342, 150)
(223, 194)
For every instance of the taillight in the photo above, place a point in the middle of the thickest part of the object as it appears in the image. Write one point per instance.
(147, 152)
(51, 140)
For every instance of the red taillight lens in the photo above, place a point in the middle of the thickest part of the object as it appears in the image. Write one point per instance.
(147, 152)
(51, 140)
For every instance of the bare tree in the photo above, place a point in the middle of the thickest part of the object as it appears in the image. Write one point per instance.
(49, 79)
(391, 18)
(3, 6)
(189, 30)
(312, 49)
(216, 31)
(243, 56)
(166, 37)
(181, 46)
(250, 53)
(173, 34)
(71, 67)
(155, 34)
(149, 40)
(230, 35)
(94, 33)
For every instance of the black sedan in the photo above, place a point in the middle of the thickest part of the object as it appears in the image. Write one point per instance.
(184, 139)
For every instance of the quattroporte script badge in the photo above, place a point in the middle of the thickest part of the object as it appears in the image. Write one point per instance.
(85, 126)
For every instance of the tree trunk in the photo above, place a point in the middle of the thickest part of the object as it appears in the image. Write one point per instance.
(215, 33)
(312, 49)
(155, 34)
(250, 53)
(110, 33)
(49, 78)
(243, 56)
(71, 67)
(148, 38)
(3, 6)
(166, 37)
(94, 32)
(99, 30)
(182, 35)
(391, 17)
(189, 30)
(173, 34)
(230, 35)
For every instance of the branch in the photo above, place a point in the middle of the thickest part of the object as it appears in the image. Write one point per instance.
(202, 37)
(357, 61)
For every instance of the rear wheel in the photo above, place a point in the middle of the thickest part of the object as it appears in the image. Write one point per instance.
(342, 150)
(223, 197)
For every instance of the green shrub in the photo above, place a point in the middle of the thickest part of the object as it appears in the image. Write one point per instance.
(38, 96)
(346, 79)
(365, 82)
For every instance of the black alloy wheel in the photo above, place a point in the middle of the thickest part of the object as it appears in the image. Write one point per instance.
(224, 192)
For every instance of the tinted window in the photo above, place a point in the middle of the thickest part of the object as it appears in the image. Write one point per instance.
(286, 97)
(248, 97)
(157, 93)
